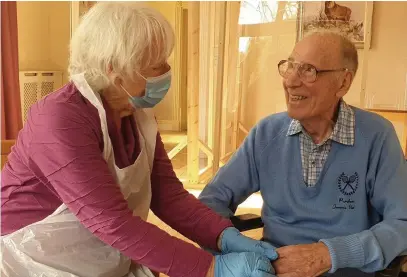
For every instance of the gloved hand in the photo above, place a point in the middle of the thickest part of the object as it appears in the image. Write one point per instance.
(243, 264)
(233, 241)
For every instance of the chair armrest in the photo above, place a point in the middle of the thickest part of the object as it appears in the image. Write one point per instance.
(247, 222)
(393, 269)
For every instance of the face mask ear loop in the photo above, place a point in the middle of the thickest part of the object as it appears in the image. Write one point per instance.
(126, 91)
(139, 74)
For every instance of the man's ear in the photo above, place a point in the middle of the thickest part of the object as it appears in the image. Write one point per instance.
(345, 84)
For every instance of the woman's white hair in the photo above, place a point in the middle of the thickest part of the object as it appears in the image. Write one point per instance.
(119, 37)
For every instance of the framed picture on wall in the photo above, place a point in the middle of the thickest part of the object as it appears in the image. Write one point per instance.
(352, 19)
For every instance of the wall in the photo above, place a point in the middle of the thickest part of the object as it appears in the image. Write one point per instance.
(262, 90)
(43, 35)
(387, 65)
(399, 121)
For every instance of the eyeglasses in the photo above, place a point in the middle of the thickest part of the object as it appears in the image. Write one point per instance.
(307, 72)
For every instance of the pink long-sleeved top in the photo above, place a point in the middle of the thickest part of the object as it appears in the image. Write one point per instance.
(58, 159)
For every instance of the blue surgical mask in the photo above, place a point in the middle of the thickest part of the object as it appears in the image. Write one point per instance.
(155, 91)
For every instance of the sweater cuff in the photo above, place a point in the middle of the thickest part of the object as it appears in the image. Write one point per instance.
(225, 223)
(345, 252)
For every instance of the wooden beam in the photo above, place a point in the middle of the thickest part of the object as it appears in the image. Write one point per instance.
(206, 82)
(178, 148)
(236, 119)
(405, 149)
(205, 148)
(177, 81)
(172, 137)
(405, 152)
(205, 175)
(230, 85)
(220, 17)
(193, 92)
(74, 16)
(364, 102)
(243, 129)
(208, 53)
(226, 158)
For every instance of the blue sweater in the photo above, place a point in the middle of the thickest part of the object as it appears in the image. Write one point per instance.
(358, 207)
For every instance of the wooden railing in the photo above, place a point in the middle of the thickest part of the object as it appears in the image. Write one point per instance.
(5, 150)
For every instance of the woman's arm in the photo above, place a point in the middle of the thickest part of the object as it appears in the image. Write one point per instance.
(65, 153)
(180, 209)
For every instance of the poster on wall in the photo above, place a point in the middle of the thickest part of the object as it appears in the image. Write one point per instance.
(352, 19)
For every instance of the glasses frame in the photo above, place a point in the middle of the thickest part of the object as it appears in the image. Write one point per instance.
(317, 71)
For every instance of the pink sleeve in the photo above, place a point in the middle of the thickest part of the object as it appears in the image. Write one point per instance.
(65, 150)
(180, 209)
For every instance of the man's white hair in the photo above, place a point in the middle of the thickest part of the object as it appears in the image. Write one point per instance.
(119, 37)
(348, 49)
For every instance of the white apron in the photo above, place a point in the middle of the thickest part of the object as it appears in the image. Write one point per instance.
(59, 245)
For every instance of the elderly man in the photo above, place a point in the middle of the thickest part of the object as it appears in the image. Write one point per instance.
(333, 177)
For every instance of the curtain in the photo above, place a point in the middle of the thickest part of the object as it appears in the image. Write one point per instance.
(11, 119)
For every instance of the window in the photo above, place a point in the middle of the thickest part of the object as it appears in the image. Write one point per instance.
(260, 18)
(256, 11)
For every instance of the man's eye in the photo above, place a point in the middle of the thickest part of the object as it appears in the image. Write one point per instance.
(307, 68)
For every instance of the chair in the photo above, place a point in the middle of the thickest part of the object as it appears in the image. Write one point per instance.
(5, 150)
(248, 222)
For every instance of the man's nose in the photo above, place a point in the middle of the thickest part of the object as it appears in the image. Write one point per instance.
(293, 79)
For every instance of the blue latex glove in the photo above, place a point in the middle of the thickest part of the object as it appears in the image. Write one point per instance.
(233, 241)
(243, 265)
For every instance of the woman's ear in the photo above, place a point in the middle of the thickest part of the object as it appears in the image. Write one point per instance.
(117, 81)
(114, 78)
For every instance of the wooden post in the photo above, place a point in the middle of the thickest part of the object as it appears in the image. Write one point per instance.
(220, 17)
(193, 92)
(206, 75)
(230, 86)
(364, 103)
(74, 16)
(177, 81)
(405, 151)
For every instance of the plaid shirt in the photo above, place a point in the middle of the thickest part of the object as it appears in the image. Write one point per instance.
(313, 156)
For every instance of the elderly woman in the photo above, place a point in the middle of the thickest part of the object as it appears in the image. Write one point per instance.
(90, 164)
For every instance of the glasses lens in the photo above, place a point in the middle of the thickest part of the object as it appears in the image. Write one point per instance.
(285, 68)
(307, 72)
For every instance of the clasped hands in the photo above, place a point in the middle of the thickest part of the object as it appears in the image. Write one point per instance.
(245, 257)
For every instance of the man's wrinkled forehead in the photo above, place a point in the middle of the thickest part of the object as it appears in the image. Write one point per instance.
(318, 51)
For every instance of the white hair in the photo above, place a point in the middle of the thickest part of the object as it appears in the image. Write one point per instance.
(121, 37)
(348, 49)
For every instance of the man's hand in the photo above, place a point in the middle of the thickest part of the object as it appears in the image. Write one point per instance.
(304, 260)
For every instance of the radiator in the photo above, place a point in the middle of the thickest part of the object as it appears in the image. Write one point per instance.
(34, 85)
